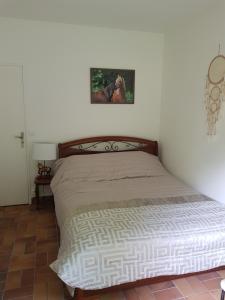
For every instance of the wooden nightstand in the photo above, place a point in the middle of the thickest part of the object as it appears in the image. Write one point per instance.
(40, 181)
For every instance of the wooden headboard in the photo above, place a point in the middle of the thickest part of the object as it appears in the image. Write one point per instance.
(103, 144)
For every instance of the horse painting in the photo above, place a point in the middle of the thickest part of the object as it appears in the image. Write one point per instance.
(119, 95)
(112, 86)
(112, 93)
(105, 95)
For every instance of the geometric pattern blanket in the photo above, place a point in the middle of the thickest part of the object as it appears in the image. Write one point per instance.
(113, 243)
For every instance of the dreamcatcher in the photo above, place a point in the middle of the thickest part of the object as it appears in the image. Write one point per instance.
(215, 92)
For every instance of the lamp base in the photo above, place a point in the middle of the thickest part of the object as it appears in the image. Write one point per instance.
(43, 170)
(43, 179)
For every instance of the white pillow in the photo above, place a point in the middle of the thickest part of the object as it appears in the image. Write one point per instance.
(109, 166)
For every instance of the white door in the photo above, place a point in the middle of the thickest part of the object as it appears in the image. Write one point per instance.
(13, 167)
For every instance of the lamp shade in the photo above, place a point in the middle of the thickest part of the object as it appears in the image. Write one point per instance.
(44, 151)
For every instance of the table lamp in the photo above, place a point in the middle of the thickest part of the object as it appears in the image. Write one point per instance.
(43, 152)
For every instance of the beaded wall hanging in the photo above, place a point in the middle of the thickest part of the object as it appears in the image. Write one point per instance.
(214, 92)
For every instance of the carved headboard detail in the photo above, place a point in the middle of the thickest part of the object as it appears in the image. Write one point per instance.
(103, 144)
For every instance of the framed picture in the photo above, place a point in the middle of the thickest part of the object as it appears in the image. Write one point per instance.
(112, 86)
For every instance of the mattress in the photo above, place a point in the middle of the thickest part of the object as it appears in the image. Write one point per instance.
(131, 221)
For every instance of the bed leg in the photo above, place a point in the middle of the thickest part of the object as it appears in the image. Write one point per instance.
(222, 295)
(79, 294)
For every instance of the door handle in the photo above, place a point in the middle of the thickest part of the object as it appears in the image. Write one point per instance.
(21, 137)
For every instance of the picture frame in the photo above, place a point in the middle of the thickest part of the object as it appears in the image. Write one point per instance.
(112, 86)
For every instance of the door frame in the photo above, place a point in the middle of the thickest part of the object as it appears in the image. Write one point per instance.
(26, 143)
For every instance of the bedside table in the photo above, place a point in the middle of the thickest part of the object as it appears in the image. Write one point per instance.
(40, 181)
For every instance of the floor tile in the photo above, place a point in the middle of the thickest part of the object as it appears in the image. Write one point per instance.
(41, 259)
(3, 276)
(108, 296)
(30, 247)
(212, 284)
(207, 276)
(55, 291)
(131, 295)
(22, 262)
(144, 293)
(40, 290)
(221, 273)
(216, 294)
(13, 280)
(52, 256)
(19, 292)
(161, 286)
(5, 249)
(200, 296)
(196, 284)
(183, 286)
(4, 263)
(168, 294)
(2, 286)
(27, 277)
(19, 247)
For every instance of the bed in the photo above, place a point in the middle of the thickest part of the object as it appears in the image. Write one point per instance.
(125, 221)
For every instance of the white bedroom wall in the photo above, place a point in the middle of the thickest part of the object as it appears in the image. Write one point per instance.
(56, 59)
(185, 148)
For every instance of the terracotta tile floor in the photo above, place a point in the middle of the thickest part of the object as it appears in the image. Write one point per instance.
(28, 243)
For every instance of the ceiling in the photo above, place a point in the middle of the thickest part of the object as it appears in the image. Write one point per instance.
(146, 15)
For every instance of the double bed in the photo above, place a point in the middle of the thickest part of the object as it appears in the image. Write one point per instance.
(125, 221)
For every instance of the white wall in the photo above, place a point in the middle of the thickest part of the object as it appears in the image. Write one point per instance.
(186, 150)
(56, 59)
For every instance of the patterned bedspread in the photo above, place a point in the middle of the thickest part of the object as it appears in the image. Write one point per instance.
(112, 243)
